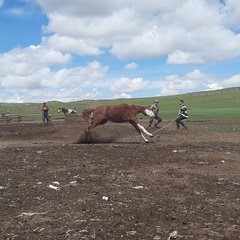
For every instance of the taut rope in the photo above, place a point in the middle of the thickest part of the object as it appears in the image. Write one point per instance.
(165, 126)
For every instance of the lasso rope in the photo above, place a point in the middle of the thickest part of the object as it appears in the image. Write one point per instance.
(165, 126)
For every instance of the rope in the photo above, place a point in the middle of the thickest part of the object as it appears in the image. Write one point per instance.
(165, 126)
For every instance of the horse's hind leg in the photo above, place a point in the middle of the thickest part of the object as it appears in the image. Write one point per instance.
(144, 130)
(96, 123)
(140, 128)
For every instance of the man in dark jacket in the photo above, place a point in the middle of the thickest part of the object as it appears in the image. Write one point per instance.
(182, 115)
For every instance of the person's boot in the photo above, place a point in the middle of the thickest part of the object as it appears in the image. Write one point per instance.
(184, 126)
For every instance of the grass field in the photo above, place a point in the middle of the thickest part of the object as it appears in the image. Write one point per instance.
(210, 105)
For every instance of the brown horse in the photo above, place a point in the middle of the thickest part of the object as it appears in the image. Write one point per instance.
(118, 114)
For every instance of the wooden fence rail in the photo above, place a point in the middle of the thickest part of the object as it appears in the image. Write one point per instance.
(8, 118)
(16, 118)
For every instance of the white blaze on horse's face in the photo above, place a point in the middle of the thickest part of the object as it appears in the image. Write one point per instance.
(149, 113)
(59, 110)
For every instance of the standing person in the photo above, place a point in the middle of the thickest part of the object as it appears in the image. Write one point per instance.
(45, 112)
(155, 109)
(182, 115)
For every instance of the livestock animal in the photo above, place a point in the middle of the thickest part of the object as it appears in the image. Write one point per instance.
(119, 113)
(67, 110)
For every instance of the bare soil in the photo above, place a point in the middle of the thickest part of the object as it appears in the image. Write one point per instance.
(56, 183)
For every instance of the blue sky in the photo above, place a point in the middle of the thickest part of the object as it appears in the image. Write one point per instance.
(84, 49)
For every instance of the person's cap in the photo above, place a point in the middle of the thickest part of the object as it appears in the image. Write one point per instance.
(156, 101)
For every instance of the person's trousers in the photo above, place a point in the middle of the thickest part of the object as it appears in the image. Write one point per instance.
(179, 121)
(157, 118)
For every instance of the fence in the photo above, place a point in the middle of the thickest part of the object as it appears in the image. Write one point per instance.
(7, 118)
(16, 118)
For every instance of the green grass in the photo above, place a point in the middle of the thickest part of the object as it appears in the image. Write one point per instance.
(211, 105)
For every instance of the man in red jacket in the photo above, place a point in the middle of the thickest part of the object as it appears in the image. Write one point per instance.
(45, 112)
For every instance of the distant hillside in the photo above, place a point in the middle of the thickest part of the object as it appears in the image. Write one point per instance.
(208, 105)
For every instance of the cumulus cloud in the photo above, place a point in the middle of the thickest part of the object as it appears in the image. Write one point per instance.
(233, 81)
(128, 85)
(28, 67)
(179, 57)
(131, 65)
(28, 72)
(82, 47)
(146, 30)
(192, 81)
(29, 59)
(79, 76)
(122, 95)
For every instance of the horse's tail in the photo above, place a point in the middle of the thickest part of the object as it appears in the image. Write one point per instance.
(87, 114)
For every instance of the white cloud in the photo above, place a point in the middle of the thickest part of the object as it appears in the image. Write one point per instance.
(179, 57)
(128, 85)
(83, 7)
(230, 13)
(82, 47)
(93, 94)
(142, 30)
(26, 75)
(28, 60)
(192, 81)
(131, 65)
(42, 95)
(168, 92)
(213, 86)
(233, 81)
(80, 76)
(30, 68)
(197, 75)
(122, 95)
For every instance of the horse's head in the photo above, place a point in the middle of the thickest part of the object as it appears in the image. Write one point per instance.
(149, 112)
(59, 110)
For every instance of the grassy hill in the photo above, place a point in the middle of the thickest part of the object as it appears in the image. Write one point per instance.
(210, 105)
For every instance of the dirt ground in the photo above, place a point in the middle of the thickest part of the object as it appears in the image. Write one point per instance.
(57, 184)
